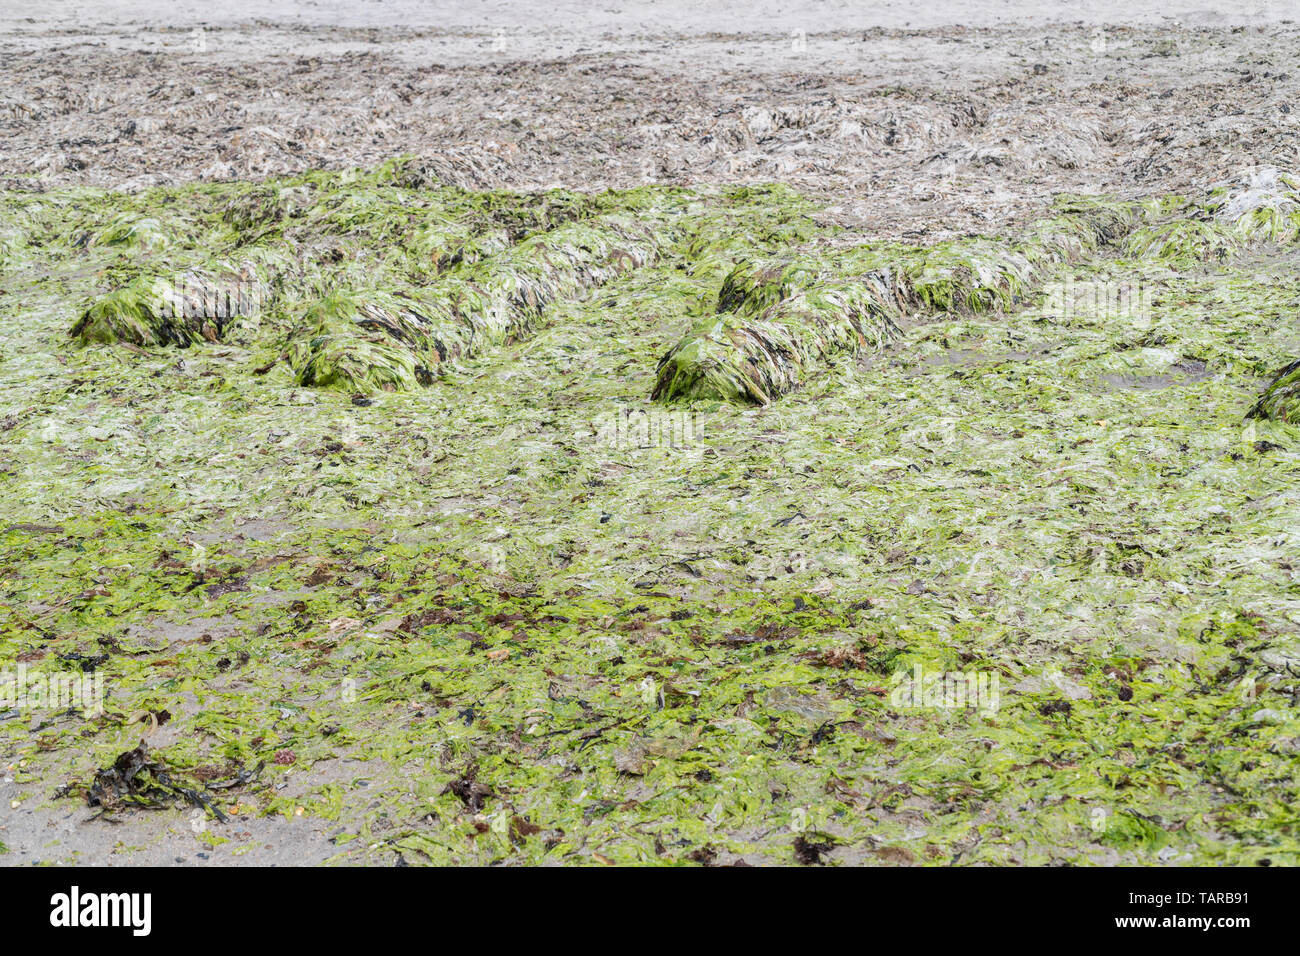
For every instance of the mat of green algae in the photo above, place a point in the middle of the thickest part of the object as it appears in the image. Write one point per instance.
(550, 645)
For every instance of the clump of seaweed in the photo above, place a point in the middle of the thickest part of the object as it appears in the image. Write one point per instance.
(1281, 400)
(1261, 204)
(301, 239)
(137, 779)
(523, 214)
(778, 319)
(1184, 240)
(1107, 219)
(973, 276)
(365, 341)
(1061, 239)
(374, 339)
(753, 288)
(195, 306)
(437, 247)
(266, 204)
(756, 359)
(744, 355)
(143, 234)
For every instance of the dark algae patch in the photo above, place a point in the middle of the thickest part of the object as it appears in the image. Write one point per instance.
(138, 779)
(373, 521)
(1281, 400)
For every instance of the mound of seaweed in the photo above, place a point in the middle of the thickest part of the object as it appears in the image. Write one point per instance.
(755, 350)
(777, 346)
(1281, 400)
(777, 320)
(1184, 240)
(1261, 204)
(141, 234)
(372, 339)
(194, 306)
(307, 237)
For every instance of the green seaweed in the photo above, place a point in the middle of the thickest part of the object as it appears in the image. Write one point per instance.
(476, 624)
(1185, 241)
(491, 302)
(740, 356)
(136, 234)
(1281, 400)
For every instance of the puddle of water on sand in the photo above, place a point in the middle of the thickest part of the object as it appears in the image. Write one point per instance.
(1186, 372)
